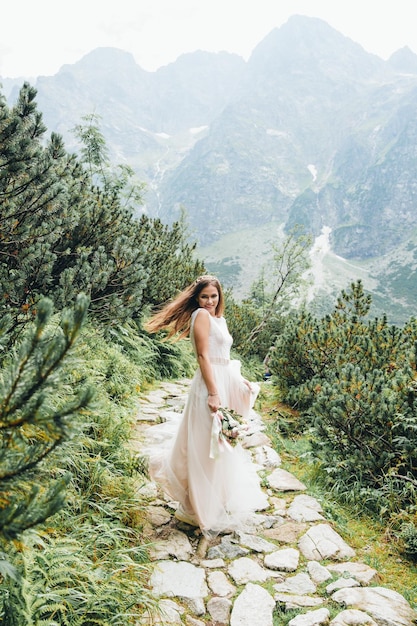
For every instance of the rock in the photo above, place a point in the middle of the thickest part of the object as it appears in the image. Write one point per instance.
(148, 414)
(318, 572)
(293, 601)
(191, 621)
(212, 563)
(300, 584)
(285, 560)
(363, 573)
(219, 584)
(254, 543)
(267, 457)
(195, 605)
(158, 515)
(305, 509)
(256, 440)
(253, 607)
(281, 480)
(170, 613)
(386, 607)
(341, 583)
(156, 397)
(279, 505)
(352, 617)
(219, 609)
(180, 579)
(147, 491)
(177, 545)
(246, 570)
(322, 542)
(288, 532)
(226, 549)
(166, 416)
(312, 618)
(255, 521)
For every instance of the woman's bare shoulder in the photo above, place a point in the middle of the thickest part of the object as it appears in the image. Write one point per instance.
(201, 319)
(201, 311)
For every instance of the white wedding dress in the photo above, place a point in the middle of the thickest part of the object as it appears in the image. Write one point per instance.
(219, 492)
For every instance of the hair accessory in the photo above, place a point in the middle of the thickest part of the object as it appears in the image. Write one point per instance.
(204, 277)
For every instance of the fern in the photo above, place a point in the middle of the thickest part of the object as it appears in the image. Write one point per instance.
(62, 585)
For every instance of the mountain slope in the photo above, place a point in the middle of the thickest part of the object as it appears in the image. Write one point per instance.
(312, 130)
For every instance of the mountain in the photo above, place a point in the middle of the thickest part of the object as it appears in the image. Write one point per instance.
(312, 130)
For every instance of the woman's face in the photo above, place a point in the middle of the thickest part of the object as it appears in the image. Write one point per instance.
(208, 299)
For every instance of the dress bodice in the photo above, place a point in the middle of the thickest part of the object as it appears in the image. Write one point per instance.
(220, 340)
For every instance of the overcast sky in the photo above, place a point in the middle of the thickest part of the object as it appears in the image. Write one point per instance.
(39, 36)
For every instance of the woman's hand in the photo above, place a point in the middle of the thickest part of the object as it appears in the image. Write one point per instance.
(248, 385)
(213, 402)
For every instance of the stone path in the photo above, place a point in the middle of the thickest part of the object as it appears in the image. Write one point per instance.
(287, 565)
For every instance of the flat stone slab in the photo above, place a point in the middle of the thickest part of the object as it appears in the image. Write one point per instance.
(178, 579)
(288, 532)
(300, 584)
(386, 607)
(169, 613)
(281, 480)
(352, 617)
(312, 618)
(254, 543)
(219, 584)
(246, 570)
(318, 573)
(293, 601)
(285, 560)
(255, 440)
(322, 542)
(227, 549)
(158, 515)
(305, 508)
(219, 609)
(177, 546)
(267, 457)
(341, 583)
(361, 572)
(253, 607)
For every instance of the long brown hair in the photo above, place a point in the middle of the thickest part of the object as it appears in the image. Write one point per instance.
(175, 316)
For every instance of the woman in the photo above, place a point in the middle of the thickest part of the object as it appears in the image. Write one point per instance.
(213, 493)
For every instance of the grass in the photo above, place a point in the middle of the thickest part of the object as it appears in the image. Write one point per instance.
(373, 543)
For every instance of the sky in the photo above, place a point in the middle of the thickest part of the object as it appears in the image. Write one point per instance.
(38, 37)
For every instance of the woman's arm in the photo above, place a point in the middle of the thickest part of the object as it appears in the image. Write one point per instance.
(201, 339)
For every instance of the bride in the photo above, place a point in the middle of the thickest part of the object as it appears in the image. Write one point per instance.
(214, 492)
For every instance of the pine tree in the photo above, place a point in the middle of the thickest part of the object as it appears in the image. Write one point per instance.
(353, 379)
(35, 416)
(37, 202)
(68, 225)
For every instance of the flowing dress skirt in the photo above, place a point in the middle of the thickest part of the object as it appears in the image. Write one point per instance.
(222, 492)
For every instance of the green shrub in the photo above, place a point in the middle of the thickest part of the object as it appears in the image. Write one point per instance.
(353, 381)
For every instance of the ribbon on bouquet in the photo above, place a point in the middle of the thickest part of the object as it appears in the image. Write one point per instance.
(218, 442)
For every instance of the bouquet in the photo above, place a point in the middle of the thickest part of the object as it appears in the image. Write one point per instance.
(226, 428)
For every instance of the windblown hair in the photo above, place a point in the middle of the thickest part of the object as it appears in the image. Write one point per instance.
(175, 316)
